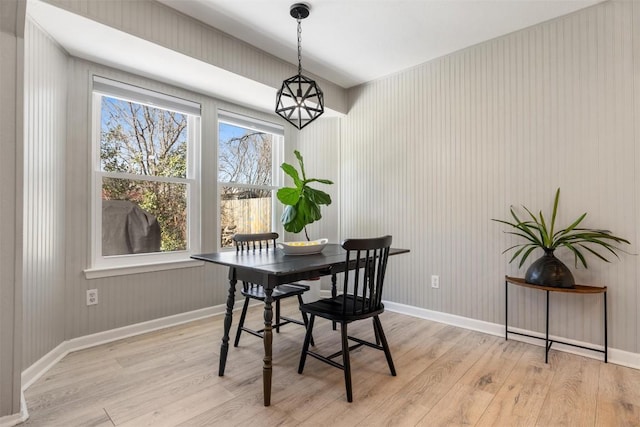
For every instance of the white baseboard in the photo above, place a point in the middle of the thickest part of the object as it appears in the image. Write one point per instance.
(325, 293)
(15, 419)
(619, 357)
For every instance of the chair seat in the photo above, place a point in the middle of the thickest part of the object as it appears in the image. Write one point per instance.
(282, 291)
(331, 308)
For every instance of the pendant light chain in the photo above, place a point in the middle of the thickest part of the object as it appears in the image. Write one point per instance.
(299, 45)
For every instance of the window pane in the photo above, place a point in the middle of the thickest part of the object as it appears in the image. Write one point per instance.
(142, 140)
(244, 211)
(244, 155)
(143, 216)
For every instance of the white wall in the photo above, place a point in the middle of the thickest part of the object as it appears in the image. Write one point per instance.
(432, 154)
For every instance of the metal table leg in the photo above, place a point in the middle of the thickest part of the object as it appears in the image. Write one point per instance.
(547, 345)
(606, 348)
(506, 310)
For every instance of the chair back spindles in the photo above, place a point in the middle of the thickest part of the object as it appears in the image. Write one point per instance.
(247, 242)
(363, 285)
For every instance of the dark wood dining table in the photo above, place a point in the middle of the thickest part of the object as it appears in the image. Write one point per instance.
(269, 269)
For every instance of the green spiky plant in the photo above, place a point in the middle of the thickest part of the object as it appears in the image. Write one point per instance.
(538, 234)
(302, 203)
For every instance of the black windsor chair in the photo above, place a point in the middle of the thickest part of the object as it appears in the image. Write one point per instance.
(259, 242)
(361, 299)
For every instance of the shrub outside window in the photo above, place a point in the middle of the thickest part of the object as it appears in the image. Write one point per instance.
(145, 180)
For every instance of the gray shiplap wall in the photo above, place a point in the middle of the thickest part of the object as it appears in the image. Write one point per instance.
(11, 119)
(319, 144)
(433, 153)
(44, 195)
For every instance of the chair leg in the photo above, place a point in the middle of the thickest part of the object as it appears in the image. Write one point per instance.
(241, 322)
(305, 346)
(375, 332)
(385, 345)
(278, 316)
(345, 361)
(305, 319)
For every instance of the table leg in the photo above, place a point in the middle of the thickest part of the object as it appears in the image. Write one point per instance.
(546, 342)
(334, 285)
(334, 291)
(606, 351)
(506, 310)
(268, 340)
(224, 347)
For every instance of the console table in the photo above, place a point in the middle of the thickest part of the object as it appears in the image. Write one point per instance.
(578, 289)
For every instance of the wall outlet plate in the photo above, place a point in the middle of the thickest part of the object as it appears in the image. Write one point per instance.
(92, 297)
(435, 282)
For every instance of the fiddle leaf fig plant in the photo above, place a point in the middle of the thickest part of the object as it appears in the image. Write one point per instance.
(302, 203)
(538, 233)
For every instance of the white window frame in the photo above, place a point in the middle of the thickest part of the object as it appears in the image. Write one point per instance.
(102, 266)
(277, 157)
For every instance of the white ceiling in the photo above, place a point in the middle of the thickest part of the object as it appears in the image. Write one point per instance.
(350, 42)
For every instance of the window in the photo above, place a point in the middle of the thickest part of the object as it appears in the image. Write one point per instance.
(145, 177)
(249, 158)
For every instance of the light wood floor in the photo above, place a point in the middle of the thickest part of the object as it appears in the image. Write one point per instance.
(446, 376)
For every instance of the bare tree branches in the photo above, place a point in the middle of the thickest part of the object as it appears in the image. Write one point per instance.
(142, 140)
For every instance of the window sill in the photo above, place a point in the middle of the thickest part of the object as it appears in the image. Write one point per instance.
(97, 273)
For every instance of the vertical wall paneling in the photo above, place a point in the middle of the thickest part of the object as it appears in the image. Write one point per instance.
(319, 144)
(44, 194)
(11, 146)
(635, 117)
(433, 153)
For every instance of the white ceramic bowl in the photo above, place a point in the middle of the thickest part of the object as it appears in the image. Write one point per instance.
(303, 248)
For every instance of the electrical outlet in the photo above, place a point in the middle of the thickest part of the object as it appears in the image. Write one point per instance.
(92, 297)
(435, 282)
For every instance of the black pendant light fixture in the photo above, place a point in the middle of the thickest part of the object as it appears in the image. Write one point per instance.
(300, 101)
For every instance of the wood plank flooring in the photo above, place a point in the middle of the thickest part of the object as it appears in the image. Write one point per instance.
(447, 376)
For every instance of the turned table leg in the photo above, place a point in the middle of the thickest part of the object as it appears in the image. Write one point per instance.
(268, 340)
(228, 316)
